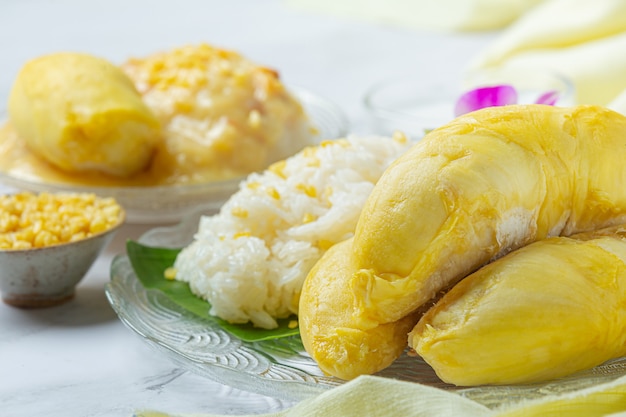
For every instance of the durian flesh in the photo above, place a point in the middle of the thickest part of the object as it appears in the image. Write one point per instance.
(484, 185)
(544, 311)
(339, 347)
(81, 113)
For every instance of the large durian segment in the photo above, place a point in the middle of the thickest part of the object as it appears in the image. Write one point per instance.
(542, 312)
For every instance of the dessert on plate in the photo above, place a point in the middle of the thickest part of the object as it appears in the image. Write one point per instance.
(481, 188)
(188, 115)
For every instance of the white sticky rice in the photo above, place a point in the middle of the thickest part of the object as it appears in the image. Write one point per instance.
(250, 260)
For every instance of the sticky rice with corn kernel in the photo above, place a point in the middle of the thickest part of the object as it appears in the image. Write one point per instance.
(250, 259)
(222, 115)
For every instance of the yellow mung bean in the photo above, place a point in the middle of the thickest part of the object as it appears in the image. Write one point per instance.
(29, 220)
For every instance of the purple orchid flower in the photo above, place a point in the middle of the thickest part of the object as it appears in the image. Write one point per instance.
(498, 95)
(482, 97)
(549, 97)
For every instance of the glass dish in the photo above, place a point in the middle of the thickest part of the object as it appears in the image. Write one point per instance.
(278, 368)
(169, 204)
(414, 106)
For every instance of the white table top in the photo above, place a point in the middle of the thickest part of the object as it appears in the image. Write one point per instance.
(78, 359)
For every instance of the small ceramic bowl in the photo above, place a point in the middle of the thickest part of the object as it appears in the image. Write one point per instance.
(416, 106)
(47, 276)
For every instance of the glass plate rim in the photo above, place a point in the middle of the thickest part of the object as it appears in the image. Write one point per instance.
(306, 384)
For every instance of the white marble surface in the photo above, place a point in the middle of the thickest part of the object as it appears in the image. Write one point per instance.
(79, 359)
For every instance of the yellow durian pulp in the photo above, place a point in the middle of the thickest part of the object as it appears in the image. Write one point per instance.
(545, 311)
(340, 348)
(485, 184)
(469, 192)
(81, 113)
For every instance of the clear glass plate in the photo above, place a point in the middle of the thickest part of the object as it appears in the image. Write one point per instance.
(168, 204)
(278, 368)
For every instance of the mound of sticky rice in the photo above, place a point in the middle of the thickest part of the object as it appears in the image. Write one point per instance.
(250, 259)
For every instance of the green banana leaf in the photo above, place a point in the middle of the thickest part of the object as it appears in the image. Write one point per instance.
(149, 264)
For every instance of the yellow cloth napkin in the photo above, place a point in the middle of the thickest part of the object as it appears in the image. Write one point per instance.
(584, 40)
(440, 15)
(373, 396)
(619, 103)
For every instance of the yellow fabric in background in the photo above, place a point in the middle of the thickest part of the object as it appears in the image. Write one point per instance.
(557, 24)
(584, 40)
(619, 103)
(440, 15)
(371, 396)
